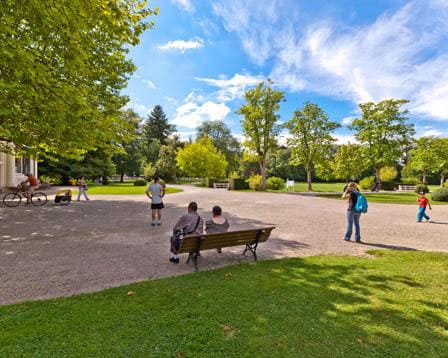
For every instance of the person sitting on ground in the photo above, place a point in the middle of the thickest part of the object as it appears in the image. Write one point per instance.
(217, 223)
(29, 185)
(190, 223)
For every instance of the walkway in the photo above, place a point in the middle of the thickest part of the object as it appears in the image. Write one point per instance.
(87, 246)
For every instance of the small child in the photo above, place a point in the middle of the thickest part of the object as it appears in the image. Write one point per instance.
(423, 202)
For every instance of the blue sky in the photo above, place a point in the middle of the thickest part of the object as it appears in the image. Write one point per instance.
(203, 54)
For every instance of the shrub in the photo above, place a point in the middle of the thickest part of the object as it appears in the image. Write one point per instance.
(410, 181)
(238, 184)
(388, 185)
(367, 182)
(140, 182)
(275, 183)
(440, 194)
(421, 188)
(255, 182)
(388, 173)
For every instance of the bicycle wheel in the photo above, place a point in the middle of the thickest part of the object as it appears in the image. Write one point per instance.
(12, 199)
(39, 199)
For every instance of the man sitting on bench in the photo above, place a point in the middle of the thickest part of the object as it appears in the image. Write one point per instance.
(217, 223)
(190, 223)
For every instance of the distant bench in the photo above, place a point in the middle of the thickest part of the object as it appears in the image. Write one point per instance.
(193, 244)
(406, 187)
(221, 185)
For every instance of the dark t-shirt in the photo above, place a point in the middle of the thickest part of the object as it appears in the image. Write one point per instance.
(352, 200)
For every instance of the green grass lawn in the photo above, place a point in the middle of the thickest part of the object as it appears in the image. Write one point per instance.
(391, 198)
(391, 305)
(122, 189)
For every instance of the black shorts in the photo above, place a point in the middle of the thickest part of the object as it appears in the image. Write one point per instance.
(157, 206)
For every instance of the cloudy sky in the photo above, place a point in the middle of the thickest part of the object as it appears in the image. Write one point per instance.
(203, 54)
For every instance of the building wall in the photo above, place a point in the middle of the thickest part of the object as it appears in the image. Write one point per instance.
(13, 170)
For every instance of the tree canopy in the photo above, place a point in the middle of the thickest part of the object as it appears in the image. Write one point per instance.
(311, 139)
(63, 65)
(260, 123)
(350, 162)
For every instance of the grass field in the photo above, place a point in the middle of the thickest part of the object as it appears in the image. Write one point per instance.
(122, 189)
(392, 305)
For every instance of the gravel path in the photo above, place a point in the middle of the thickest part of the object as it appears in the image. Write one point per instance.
(87, 246)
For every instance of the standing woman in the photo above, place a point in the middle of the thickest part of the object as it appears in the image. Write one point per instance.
(82, 186)
(351, 192)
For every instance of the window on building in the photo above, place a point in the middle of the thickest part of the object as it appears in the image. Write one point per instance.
(23, 165)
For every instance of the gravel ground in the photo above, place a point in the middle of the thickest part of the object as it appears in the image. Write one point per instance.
(55, 251)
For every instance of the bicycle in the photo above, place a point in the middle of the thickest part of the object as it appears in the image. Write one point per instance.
(15, 198)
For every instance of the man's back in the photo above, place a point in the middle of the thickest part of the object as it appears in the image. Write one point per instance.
(156, 192)
(190, 224)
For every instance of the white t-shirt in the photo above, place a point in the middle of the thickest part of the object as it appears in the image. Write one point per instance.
(156, 192)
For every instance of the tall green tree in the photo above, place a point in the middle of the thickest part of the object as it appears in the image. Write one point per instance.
(311, 140)
(155, 129)
(222, 139)
(350, 162)
(166, 164)
(129, 159)
(384, 129)
(63, 65)
(260, 123)
(423, 157)
(202, 159)
(442, 159)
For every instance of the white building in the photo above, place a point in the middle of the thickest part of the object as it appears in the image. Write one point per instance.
(13, 169)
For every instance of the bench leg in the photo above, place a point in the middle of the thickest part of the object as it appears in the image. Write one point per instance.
(194, 256)
(253, 249)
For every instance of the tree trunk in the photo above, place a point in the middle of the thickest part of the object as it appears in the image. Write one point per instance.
(121, 178)
(263, 174)
(309, 179)
(442, 180)
(424, 178)
(378, 178)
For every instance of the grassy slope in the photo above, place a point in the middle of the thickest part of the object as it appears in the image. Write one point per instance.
(122, 189)
(392, 305)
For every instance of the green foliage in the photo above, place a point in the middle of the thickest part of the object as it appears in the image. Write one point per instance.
(275, 183)
(440, 194)
(140, 182)
(388, 173)
(238, 184)
(222, 138)
(367, 182)
(410, 180)
(280, 165)
(201, 159)
(166, 164)
(350, 162)
(63, 66)
(260, 122)
(421, 188)
(149, 171)
(388, 185)
(255, 182)
(384, 130)
(311, 140)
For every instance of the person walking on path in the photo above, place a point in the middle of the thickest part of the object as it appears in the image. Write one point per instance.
(217, 223)
(423, 202)
(190, 223)
(155, 193)
(351, 192)
(82, 187)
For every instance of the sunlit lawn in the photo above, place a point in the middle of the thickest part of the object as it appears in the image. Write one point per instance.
(392, 305)
(123, 189)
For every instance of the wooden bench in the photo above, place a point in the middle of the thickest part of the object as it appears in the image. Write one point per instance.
(193, 244)
(221, 186)
(406, 187)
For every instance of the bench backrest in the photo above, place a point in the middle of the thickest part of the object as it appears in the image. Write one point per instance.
(202, 242)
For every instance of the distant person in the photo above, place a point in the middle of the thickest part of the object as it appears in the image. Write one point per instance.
(217, 223)
(423, 202)
(190, 223)
(29, 185)
(351, 192)
(73, 182)
(156, 192)
(375, 187)
(82, 187)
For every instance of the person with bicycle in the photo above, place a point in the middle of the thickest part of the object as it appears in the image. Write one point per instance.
(28, 186)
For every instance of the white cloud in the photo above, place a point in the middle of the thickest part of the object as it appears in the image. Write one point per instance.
(192, 114)
(346, 121)
(182, 45)
(401, 54)
(345, 139)
(149, 84)
(141, 109)
(186, 5)
(232, 88)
